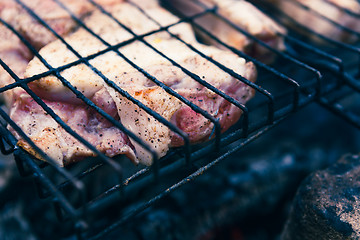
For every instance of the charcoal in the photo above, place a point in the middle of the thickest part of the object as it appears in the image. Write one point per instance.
(249, 194)
(244, 197)
(13, 224)
(327, 204)
(7, 171)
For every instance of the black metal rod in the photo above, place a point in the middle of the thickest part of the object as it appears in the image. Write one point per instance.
(189, 178)
(338, 110)
(166, 88)
(346, 10)
(108, 160)
(234, 136)
(338, 61)
(49, 185)
(256, 129)
(327, 19)
(142, 175)
(258, 63)
(302, 27)
(7, 141)
(219, 65)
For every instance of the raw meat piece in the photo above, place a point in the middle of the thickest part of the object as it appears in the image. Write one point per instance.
(48, 10)
(244, 15)
(116, 69)
(326, 9)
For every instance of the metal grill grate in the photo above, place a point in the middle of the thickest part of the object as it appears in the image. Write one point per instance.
(294, 81)
(345, 58)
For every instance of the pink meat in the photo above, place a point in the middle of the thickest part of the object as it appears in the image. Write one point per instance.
(199, 128)
(50, 12)
(59, 144)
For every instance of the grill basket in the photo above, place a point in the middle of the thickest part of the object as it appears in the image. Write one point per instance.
(306, 73)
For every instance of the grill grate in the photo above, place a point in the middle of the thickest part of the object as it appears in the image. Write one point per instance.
(305, 80)
(345, 65)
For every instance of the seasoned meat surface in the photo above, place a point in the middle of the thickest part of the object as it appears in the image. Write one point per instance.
(14, 52)
(48, 10)
(15, 55)
(58, 144)
(118, 71)
(243, 15)
(84, 43)
(42, 129)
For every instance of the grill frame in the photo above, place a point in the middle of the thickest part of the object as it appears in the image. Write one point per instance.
(241, 137)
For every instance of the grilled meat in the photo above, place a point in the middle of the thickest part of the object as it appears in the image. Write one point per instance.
(242, 14)
(57, 54)
(313, 13)
(48, 10)
(129, 79)
(13, 52)
(16, 56)
(58, 144)
(45, 131)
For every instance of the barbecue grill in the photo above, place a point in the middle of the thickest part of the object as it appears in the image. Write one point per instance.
(306, 72)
